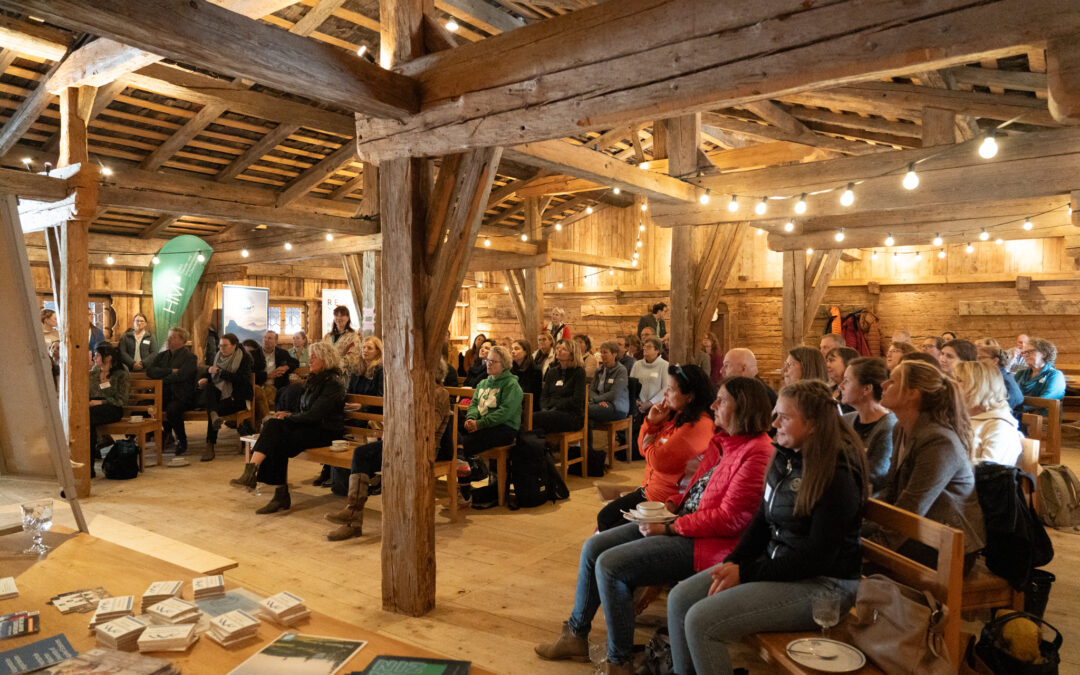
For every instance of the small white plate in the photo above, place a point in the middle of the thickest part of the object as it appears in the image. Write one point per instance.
(804, 651)
(635, 517)
(343, 448)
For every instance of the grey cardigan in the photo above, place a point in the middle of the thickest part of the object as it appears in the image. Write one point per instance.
(611, 385)
(878, 448)
(934, 478)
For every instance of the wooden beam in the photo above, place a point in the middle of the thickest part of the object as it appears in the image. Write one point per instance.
(1019, 308)
(938, 127)
(316, 174)
(716, 269)
(871, 124)
(158, 227)
(30, 185)
(192, 128)
(682, 137)
(568, 74)
(315, 18)
(257, 150)
(530, 284)
(27, 113)
(97, 64)
(793, 309)
(480, 14)
(202, 34)
(807, 137)
(484, 260)
(1063, 79)
(816, 293)
(1007, 79)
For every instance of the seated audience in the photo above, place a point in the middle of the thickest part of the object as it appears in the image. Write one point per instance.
(836, 362)
(467, 358)
(656, 320)
(802, 541)
(804, 363)
(624, 356)
(345, 340)
(504, 341)
(97, 336)
(545, 354)
(494, 414)
(676, 430)
(1017, 362)
(478, 370)
(588, 359)
(633, 347)
(712, 514)
(137, 345)
(609, 392)
(932, 345)
(896, 351)
(367, 461)
(562, 401)
(109, 387)
(741, 362)
(557, 328)
(525, 369)
(901, 336)
(1040, 379)
(320, 421)
(995, 437)
(48, 326)
(931, 473)
(177, 369)
(829, 342)
(650, 371)
(954, 352)
(948, 336)
(226, 387)
(278, 366)
(299, 350)
(872, 422)
(259, 404)
(367, 378)
(711, 359)
(990, 353)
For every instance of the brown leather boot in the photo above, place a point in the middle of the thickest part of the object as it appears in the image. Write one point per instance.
(352, 516)
(568, 647)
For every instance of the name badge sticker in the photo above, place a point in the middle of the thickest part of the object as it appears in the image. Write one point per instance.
(105, 385)
(558, 383)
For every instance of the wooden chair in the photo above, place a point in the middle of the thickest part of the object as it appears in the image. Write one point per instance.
(500, 454)
(1046, 430)
(565, 439)
(237, 418)
(613, 428)
(945, 582)
(144, 399)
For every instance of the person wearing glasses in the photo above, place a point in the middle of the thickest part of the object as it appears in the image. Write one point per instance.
(494, 415)
(675, 431)
(896, 351)
(990, 352)
(562, 401)
(1040, 379)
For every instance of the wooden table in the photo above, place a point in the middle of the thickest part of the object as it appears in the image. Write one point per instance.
(83, 561)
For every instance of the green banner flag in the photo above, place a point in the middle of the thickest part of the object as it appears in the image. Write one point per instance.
(180, 264)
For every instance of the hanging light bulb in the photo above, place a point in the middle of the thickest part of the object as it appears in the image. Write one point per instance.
(479, 284)
(733, 205)
(524, 237)
(895, 256)
(634, 262)
(984, 235)
(941, 253)
(918, 257)
(760, 231)
(452, 26)
(27, 161)
(644, 166)
(989, 147)
(1028, 224)
(889, 241)
(848, 197)
(487, 242)
(800, 206)
(641, 227)
(809, 251)
(999, 241)
(559, 285)
(106, 171)
(244, 253)
(506, 288)
(704, 198)
(969, 248)
(638, 245)
(761, 206)
(611, 273)
(937, 240)
(558, 227)
(109, 260)
(789, 226)
(155, 260)
(329, 236)
(636, 255)
(873, 255)
(616, 191)
(911, 179)
(644, 206)
(288, 246)
(840, 235)
(588, 210)
(200, 258)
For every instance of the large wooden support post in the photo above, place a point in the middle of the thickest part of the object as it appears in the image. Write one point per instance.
(794, 299)
(532, 288)
(682, 135)
(74, 324)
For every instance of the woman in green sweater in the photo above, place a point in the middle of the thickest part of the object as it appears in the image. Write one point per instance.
(109, 387)
(494, 415)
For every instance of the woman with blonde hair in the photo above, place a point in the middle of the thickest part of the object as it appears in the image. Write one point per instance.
(995, 436)
(562, 401)
(557, 327)
(367, 377)
(931, 474)
(545, 354)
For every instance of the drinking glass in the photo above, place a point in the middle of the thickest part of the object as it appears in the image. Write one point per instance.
(598, 657)
(826, 611)
(37, 519)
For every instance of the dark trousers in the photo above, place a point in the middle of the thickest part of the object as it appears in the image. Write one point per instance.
(288, 398)
(222, 406)
(598, 413)
(483, 439)
(281, 440)
(611, 515)
(367, 458)
(174, 422)
(556, 421)
(100, 415)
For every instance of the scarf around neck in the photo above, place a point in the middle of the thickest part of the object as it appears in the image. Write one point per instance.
(228, 364)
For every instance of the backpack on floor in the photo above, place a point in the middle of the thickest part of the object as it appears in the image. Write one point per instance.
(1059, 497)
(1016, 542)
(122, 461)
(533, 475)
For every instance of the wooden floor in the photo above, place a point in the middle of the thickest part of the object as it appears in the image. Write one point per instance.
(505, 579)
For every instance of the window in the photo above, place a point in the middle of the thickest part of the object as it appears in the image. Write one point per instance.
(286, 319)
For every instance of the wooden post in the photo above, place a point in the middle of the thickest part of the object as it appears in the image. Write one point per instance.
(794, 299)
(682, 135)
(532, 289)
(938, 127)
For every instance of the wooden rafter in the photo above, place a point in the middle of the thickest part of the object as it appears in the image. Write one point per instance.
(315, 18)
(317, 173)
(158, 227)
(192, 128)
(257, 150)
(815, 288)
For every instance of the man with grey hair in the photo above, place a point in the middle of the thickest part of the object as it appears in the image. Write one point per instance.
(830, 341)
(1017, 362)
(177, 368)
(741, 362)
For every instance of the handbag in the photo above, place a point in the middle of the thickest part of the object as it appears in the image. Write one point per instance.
(899, 628)
(1001, 652)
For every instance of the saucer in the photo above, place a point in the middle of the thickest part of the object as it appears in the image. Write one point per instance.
(843, 658)
(636, 517)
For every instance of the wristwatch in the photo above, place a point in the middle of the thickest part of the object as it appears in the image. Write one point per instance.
(669, 530)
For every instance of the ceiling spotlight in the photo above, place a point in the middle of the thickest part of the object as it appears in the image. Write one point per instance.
(889, 241)
(761, 206)
(288, 246)
(329, 236)
(524, 237)
(487, 242)
(848, 198)
(616, 191)
(200, 258)
(362, 50)
(558, 227)
(984, 235)
(644, 165)
(733, 205)
(937, 240)
(840, 235)
(941, 253)
(969, 248)
(110, 260)
(452, 26)
(989, 147)
(789, 226)
(1028, 224)
(911, 179)
(588, 210)
(999, 241)
(155, 260)
(27, 161)
(704, 198)
(800, 206)
(106, 171)
(244, 253)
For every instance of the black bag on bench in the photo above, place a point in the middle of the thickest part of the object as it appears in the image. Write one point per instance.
(534, 476)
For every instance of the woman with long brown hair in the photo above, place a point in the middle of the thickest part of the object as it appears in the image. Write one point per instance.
(804, 363)
(803, 540)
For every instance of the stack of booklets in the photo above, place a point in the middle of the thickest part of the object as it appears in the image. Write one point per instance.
(173, 611)
(167, 638)
(284, 608)
(110, 661)
(160, 590)
(122, 633)
(208, 587)
(233, 628)
(8, 589)
(112, 608)
(19, 623)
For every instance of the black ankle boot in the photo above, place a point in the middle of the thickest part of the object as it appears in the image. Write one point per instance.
(281, 501)
(324, 479)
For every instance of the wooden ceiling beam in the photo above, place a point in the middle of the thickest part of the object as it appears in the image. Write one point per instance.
(316, 16)
(480, 14)
(873, 124)
(1007, 79)
(922, 234)
(224, 42)
(768, 133)
(317, 173)
(158, 227)
(258, 149)
(569, 74)
(192, 128)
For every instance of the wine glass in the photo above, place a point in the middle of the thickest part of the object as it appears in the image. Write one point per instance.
(826, 611)
(37, 519)
(598, 657)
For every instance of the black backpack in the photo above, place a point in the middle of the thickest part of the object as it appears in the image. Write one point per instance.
(534, 476)
(122, 461)
(1016, 542)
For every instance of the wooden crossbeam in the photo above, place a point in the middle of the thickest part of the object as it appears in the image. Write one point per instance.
(816, 293)
(32, 185)
(202, 34)
(192, 128)
(480, 14)
(804, 137)
(316, 174)
(98, 63)
(27, 113)
(158, 227)
(259, 148)
(349, 186)
(717, 267)
(1063, 78)
(315, 17)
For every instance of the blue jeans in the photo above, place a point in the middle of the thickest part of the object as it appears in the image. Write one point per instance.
(613, 564)
(701, 626)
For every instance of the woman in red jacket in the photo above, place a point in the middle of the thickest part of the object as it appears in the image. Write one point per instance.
(675, 431)
(711, 516)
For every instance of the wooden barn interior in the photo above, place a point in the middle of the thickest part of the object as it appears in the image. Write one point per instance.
(463, 166)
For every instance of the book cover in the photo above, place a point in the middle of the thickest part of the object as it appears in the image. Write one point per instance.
(19, 623)
(36, 655)
(411, 665)
(298, 654)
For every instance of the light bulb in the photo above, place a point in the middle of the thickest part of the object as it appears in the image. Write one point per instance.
(506, 288)
(969, 249)
(911, 179)
(760, 231)
(644, 206)
(616, 191)
(895, 257)
(1028, 224)
(937, 240)
(27, 161)
(873, 255)
(155, 260)
(984, 235)
(106, 171)
(848, 198)
(761, 206)
(941, 253)
(918, 257)
(244, 253)
(644, 165)
(641, 227)
(800, 206)
(329, 236)
(636, 254)
(999, 241)
(558, 227)
(704, 198)
(789, 226)
(362, 50)
(634, 262)
(988, 148)
(288, 246)
(840, 235)
(200, 258)
(524, 237)
(889, 241)
(733, 205)
(588, 210)
(638, 245)
(809, 251)
(487, 242)
(479, 284)
(452, 26)
(559, 285)
(110, 260)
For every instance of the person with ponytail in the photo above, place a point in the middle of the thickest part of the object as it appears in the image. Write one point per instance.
(803, 540)
(931, 471)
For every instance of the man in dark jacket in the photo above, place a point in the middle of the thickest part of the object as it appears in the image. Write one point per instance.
(177, 369)
(278, 365)
(656, 320)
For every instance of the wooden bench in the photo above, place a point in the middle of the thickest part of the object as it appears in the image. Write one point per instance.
(144, 398)
(500, 454)
(613, 428)
(238, 418)
(945, 582)
(1046, 430)
(564, 439)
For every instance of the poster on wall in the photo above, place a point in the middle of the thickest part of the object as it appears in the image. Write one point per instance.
(331, 298)
(243, 311)
(180, 263)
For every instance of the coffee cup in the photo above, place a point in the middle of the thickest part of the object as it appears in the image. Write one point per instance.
(135, 419)
(339, 444)
(651, 508)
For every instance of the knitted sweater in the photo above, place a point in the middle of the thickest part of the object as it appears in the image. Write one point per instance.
(653, 379)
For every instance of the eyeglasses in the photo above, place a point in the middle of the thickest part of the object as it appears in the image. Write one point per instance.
(488, 362)
(1029, 352)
